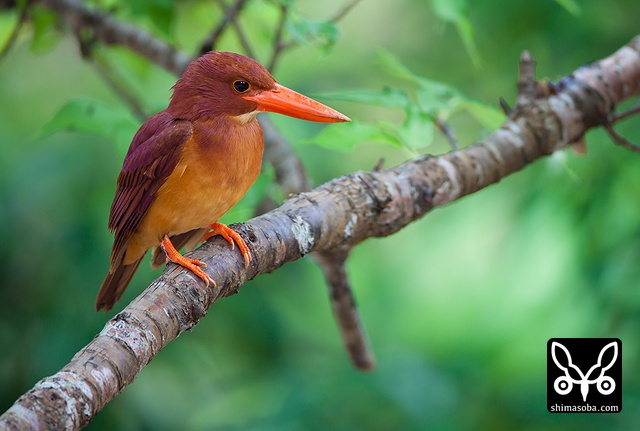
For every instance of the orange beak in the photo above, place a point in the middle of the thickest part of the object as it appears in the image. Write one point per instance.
(283, 100)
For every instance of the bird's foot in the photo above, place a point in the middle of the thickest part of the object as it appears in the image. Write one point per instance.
(192, 265)
(232, 237)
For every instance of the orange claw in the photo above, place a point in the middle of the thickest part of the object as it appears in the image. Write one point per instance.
(192, 265)
(232, 237)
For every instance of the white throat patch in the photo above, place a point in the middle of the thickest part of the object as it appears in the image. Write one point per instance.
(245, 118)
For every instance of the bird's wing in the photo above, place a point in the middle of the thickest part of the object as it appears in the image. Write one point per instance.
(152, 156)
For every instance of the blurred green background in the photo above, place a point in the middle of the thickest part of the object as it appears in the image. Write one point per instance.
(458, 306)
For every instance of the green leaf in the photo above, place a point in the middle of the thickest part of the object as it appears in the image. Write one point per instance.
(491, 118)
(570, 6)
(390, 64)
(457, 13)
(347, 136)
(434, 100)
(7, 26)
(388, 97)
(418, 129)
(160, 13)
(465, 30)
(451, 10)
(321, 34)
(94, 117)
(45, 37)
(435, 97)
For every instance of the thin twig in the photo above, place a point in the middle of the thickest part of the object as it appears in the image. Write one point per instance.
(111, 31)
(447, 131)
(378, 166)
(504, 105)
(344, 307)
(622, 115)
(107, 74)
(280, 45)
(621, 140)
(342, 12)
(232, 18)
(277, 40)
(526, 78)
(13, 37)
(244, 41)
(230, 13)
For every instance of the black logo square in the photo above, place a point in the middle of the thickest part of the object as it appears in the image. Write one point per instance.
(584, 375)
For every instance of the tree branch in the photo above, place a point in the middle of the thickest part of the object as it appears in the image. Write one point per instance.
(113, 32)
(291, 175)
(333, 265)
(343, 212)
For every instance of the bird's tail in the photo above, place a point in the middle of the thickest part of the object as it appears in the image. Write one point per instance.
(115, 284)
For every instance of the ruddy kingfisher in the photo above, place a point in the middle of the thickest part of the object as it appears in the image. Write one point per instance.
(192, 162)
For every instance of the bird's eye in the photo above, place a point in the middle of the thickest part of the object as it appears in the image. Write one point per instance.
(241, 86)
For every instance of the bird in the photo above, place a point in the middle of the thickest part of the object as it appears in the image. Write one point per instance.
(190, 163)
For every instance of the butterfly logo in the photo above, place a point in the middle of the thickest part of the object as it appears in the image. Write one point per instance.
(564, 384)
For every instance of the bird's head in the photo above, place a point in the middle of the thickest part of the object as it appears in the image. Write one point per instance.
(229, 84)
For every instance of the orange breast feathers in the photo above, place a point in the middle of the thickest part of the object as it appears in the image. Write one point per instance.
(216, 168)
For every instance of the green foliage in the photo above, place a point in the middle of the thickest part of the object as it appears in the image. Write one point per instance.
(387, 98)
(309, 32)
(91, 116)
(431, 101)
(354, 134)
(570, 6)
(8, 21)
(490, 117)
(457, 12)
(160, 13)
(438, 99)
(417, 128)
(45, 36)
